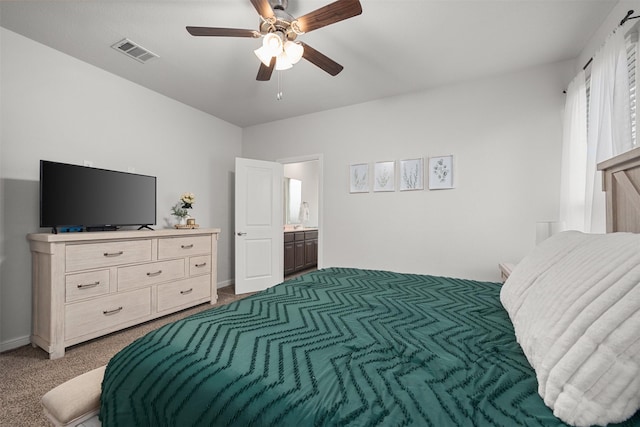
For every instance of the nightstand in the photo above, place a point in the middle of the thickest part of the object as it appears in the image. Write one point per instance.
(505, 270)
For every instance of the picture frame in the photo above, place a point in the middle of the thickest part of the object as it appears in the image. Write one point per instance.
(411, 174)
(441, 172)
(359, 178)
(384, 176)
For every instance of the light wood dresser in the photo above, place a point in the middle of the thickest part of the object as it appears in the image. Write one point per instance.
(90, 284)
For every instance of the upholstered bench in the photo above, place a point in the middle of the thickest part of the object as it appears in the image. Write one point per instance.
(76, 400)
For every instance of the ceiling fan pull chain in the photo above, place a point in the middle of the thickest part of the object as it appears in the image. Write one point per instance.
(279, 95)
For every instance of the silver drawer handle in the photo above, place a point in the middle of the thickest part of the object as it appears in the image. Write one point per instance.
(201, 265)
(156, 273)
(111, 254)
(188, 291)
(88, 285)
(187, 246)
(110, 312)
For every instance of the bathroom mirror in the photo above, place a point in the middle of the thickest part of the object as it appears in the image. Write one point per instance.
(292, 200)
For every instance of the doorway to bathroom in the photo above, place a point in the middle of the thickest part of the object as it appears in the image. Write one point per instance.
(302, 208)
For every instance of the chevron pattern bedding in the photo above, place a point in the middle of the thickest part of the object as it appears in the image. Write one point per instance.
(338, 346)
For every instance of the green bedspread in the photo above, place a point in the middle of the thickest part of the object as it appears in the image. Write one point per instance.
(335, 347)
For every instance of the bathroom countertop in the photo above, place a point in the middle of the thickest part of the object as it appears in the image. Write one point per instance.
(293, 230)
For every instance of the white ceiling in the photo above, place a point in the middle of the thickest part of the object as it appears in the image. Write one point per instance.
(394, 47)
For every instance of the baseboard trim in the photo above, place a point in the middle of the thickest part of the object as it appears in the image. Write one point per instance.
(14, 343)
(225, 283)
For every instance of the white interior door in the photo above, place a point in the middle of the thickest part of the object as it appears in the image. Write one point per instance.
(259, 236)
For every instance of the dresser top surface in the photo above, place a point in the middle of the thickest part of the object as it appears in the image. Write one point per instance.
(120, 234)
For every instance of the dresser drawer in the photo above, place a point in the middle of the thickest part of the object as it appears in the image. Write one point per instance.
(91, 316)
(84, 285)
(107, 254)
(137, 276)
(199, 265)
(174, 247)
(183, 292)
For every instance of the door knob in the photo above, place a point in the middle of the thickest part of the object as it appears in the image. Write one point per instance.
(240, 233)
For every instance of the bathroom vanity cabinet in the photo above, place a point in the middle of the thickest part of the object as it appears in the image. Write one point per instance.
(300, 250)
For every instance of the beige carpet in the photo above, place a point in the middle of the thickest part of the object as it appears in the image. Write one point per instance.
(26, 373)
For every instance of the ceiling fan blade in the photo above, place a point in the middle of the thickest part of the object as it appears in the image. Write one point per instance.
(222, 32)
(329, 14)
(263, 8)
(264, 72)
(320, 60)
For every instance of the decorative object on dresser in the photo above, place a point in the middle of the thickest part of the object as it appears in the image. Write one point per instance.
(90, 284)
(300, 250)
(181, 209)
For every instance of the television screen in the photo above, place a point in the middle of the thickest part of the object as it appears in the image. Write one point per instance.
(72, 195)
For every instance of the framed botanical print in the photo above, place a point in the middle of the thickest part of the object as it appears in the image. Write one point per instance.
(384, 176)
(411, 175)
(359, 178)
(441, 172)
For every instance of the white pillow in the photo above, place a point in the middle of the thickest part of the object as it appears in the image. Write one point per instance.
(575, 306)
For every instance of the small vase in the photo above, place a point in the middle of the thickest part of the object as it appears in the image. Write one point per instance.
(182, 220)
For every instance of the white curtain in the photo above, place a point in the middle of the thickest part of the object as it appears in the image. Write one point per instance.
(609, 124)
(573, 177)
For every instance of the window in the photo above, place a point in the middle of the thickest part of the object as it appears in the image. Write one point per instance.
(632, 54)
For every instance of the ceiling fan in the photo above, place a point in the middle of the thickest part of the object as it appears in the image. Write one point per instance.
(279, 31)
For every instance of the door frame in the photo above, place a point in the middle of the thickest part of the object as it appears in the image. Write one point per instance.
(320, 159)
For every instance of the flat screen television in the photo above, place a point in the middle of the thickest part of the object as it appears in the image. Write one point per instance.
(87, 198)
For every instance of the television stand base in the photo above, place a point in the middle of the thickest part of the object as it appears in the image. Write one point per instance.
(145, 226)
(103, 228)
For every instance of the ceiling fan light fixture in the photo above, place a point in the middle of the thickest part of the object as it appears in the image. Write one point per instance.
(273, 43)
(283, 62)
(263, 55)
(294, 51)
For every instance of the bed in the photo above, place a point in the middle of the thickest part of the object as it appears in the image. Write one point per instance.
(334, 347)
(344, 346)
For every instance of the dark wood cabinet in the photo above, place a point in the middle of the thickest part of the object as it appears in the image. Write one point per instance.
(300, 250)
(289, 254)
(310, 253)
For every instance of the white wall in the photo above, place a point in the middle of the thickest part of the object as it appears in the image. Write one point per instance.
(57, 108)
(505, 133)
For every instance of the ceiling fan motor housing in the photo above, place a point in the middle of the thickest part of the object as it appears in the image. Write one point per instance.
(278, 4)
(280, 22)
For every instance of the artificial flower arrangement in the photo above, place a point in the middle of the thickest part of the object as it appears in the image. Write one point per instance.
(186, 202)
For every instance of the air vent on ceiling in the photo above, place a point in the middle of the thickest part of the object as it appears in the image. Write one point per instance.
(134, 50)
